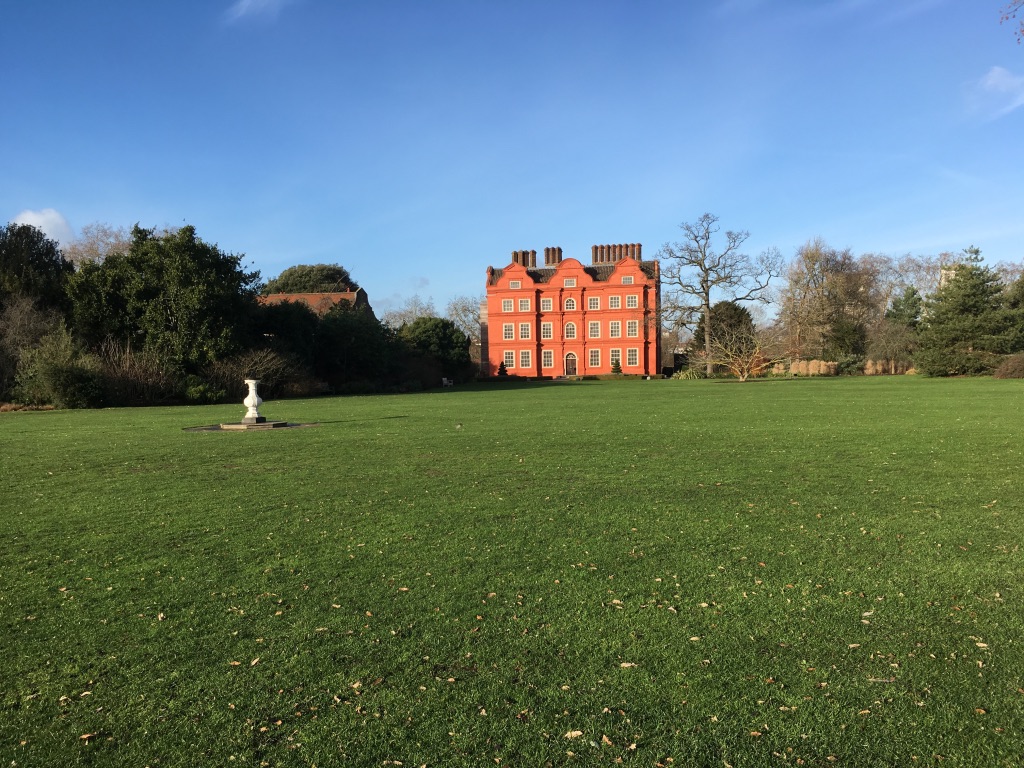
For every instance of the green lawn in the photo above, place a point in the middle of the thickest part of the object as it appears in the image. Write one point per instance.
(807, 572)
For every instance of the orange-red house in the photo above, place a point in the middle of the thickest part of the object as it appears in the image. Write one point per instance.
(567, 319)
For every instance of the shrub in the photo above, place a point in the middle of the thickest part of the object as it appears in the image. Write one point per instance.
(688, 374)
(137, 377)
(57, 372)
(848, 365)
(1011, 368)
(273, 370)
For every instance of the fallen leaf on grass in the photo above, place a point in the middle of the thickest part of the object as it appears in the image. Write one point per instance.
(573, 734)
(627, 664)
(606, 740)
(235, 663)
(254, 662)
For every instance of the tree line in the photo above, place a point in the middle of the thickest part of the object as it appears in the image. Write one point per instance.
(941, 315)
(162, 316)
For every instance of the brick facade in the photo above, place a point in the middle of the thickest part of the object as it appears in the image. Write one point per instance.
(567, 319)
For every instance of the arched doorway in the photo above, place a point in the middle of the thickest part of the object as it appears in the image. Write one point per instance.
(570, 364)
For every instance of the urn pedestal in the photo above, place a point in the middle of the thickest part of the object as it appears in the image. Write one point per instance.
(252, 403)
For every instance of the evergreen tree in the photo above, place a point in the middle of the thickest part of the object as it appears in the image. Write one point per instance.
(968, 323)
(312, 278)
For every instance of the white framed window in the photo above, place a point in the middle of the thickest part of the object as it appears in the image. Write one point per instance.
(595, 358)
(627, 279)
(614, 302)
(506, 305)
(524, 330)
(594, 329)
(547, 358)
(632, 302)
(546, 305)
(510, 359)
(508, 331)
(632, 328)
(524, 305)
(524, 359)
(546, 331)
(615, 329)
(593, 302)
(633, 357)
(570, 330)
(615, 356)
(515, 284)
(570, 305)
(569, 282)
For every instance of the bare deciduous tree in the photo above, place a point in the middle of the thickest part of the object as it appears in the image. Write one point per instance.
(1010, 12)
(409, 310)
(464, 311)
(744, 351)
(694, 269)
(96, 242)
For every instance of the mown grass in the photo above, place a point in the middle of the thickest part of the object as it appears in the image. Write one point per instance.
(810, 572)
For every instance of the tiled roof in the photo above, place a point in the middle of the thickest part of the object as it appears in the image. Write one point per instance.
(321, 303)
(599, 272)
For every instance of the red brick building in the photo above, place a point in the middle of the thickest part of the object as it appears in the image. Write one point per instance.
(567, 319)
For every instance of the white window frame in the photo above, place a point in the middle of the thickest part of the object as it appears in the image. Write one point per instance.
(632, 301)
(506, 305)
(633, 357)
(508, 331)
(632, 329)
(547, 331)
(594, 361)
(570, 330)
(525, 359)
(510, 359)
(524, 330)
(515, 284)
(570, 304)
(615, 329)
(547, 305)
(569, 282)
(627, 279)
(594, 329)
(547, 358)
(613, 355)
(614, 302)
(593, 302)
(524, 305)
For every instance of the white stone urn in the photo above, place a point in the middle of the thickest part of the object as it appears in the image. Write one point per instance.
(252, 403)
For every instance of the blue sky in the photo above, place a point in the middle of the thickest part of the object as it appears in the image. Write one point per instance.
(416, 143)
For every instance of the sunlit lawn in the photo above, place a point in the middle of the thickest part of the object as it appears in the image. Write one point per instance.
(808, 572)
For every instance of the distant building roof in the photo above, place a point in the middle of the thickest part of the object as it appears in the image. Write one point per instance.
(321, 303)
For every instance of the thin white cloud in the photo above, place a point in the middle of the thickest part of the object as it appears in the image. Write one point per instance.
(51, 222)
(998, 93)
(242, 9)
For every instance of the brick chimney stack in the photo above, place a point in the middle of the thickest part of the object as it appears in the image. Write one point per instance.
(552, 256)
